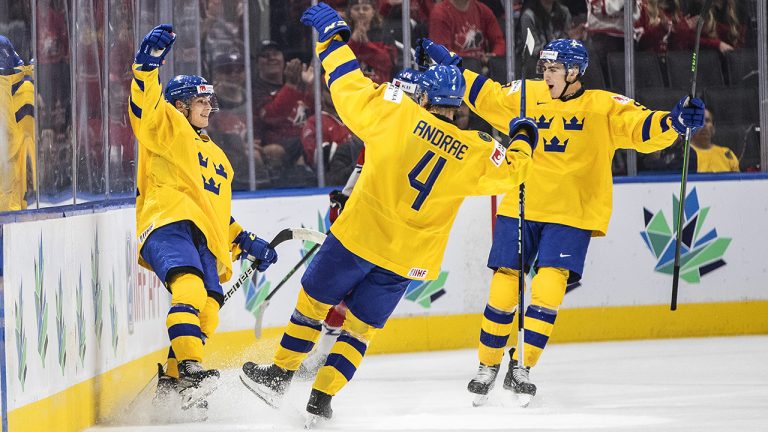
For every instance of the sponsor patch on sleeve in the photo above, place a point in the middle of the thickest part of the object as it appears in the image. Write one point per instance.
(514, 87)
(621, 99)
(497, 155)
(393, 94)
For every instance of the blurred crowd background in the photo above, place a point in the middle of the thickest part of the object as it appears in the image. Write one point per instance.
(65, 136)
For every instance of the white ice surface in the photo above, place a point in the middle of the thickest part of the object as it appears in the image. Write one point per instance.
(705, 384)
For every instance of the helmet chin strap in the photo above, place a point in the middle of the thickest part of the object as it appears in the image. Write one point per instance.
(567, 84)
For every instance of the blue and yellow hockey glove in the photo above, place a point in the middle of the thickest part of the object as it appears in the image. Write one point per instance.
(256, 249)
(688, 113)
(326, 21)
(427, 49)
(523, 124)
(155, 46)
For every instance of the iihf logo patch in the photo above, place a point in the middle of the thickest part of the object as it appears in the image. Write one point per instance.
(621, 99)
(417, 273)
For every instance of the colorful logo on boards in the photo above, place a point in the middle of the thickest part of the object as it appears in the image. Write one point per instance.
(701, 251)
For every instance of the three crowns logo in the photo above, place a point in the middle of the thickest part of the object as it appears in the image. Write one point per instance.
(544, 123)
(699, 253)
(573, 124)
(554, 145)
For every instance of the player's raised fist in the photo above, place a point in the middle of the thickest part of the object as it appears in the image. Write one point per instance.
(326, 21)
(155, 46)
(427, 49)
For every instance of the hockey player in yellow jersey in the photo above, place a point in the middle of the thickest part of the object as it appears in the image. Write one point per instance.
(568, 194)
(17, 123)
(418, 169)
(186, 233)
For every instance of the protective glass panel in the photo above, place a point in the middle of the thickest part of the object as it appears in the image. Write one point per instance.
(17, 111)
(53, 23)
(89, 106)
(121, 143)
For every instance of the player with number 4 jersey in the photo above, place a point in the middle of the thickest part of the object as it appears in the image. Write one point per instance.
(418, 169)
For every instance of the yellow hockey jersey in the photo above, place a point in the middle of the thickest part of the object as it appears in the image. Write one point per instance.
(715, 159)
(17, 143)
(571, 181)
(181, 175)
(418, 169)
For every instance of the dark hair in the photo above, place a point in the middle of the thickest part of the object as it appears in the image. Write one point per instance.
(543, 18)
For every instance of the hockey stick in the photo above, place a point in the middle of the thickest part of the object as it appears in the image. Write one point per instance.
(686, 152)
(259, 314)
(529, 42)
(284, 235)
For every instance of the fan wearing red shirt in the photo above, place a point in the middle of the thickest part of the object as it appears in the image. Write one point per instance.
(466, 27)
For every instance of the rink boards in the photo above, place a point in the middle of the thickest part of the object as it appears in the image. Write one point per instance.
(84, 325)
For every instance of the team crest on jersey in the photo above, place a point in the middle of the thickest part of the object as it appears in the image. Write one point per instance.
(484, 136)
(497, 156)
(621, 99)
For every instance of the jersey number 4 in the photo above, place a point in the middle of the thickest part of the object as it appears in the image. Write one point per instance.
(424, 188)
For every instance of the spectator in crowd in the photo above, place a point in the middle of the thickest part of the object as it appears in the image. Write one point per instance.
(221, 30)
(228, 127)
(369, 41)
(468, 28)
(707, 157)
(340, 147)
(723, 29)
(548, 20)
(392, 10)
(662, 27)
(605, 27)
(282, 103)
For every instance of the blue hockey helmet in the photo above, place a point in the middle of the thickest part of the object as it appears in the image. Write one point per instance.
(408, 80)
(569, 52)
(444, 85)
(185, 87)
(9, 60)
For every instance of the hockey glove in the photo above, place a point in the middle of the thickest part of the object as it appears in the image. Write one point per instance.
(338, 201)
(688, 113)
(155, 46)
(326, 21)
(256, 249)
(524, 124)
(426, 49)
(8, 57)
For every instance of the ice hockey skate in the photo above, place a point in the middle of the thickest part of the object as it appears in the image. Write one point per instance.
(195, 383)
(318, 408)
(482, 383)
(268, 382)
(518, 381)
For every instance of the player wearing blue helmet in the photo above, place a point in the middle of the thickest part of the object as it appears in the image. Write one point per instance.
(568, 196)
(186, 233)
(419, 167)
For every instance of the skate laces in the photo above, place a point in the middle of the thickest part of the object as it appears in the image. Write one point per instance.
(486, 373)
(520, 374)
(192, 367)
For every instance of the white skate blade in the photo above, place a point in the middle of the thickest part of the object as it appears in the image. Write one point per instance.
(271, 399)
(312, 421)
(524, 400)
(191, 396)
(480, 400)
